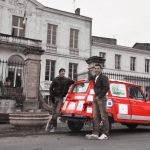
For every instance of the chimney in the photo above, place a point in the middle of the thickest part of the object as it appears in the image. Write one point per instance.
(77, 11)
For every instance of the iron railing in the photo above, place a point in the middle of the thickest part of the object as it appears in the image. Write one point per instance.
(11, 81)
(144, 82)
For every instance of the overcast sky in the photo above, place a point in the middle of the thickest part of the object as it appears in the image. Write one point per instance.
(126, 20)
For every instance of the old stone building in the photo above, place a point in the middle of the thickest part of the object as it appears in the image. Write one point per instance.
(28, 25)
(45, 39)
(121, 60)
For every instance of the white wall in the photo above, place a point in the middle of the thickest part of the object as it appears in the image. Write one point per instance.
(126, 53)
(36, 28)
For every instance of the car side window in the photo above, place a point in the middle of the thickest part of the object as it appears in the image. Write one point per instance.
(135, 93)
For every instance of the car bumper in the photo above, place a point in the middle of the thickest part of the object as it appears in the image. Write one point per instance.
(75, 117)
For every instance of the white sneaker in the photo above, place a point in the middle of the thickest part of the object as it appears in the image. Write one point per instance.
(52, 130)
(103, 137)
(91, 136)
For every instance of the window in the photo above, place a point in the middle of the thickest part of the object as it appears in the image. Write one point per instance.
(51, 34)
(74, 38)
(135, 93)
(117, 61)
(132, 63)
(80, 88)
(147, 65)
(103, 55)
(147, 92)
(49, 70)
(15, 70)
(73, 71)
(18, 26)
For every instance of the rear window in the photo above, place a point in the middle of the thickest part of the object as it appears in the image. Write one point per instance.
(118, 90)
(80, 88)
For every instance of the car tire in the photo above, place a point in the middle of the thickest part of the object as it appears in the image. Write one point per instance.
(132, 126)
(75, 126)
(110, 125)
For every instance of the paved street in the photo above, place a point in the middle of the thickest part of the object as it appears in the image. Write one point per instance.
(121, 139)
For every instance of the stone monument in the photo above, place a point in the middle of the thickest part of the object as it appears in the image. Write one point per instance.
(31, 116)
(91, 63)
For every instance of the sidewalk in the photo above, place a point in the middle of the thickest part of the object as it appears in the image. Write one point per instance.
(7, 130)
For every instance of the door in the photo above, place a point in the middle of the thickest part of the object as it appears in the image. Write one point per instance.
(15, 70)
(122, 107)
(15, 76)
(139, 106)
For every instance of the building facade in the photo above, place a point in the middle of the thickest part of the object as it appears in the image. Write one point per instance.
(65, 38)
(66, 41)
(120, 60)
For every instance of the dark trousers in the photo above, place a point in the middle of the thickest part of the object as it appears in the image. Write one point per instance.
(56, 110)
(100, 114)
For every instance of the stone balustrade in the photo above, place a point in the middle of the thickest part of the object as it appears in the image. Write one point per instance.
(20, 40)
(51, 48)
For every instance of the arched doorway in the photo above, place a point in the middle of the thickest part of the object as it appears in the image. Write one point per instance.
(15, 70)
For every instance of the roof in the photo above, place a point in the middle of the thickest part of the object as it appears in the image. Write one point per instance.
(104, 40)
(111, 80)
(114, 80)
(142, 46)
(60, 12)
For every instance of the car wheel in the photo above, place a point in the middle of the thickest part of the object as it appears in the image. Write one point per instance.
(132, 126)
(75, 126)
(110, 125)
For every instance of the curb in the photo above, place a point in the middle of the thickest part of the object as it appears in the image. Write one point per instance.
(8, 130)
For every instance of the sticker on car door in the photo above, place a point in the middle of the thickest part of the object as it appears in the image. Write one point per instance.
(123, 109)
(118, 90)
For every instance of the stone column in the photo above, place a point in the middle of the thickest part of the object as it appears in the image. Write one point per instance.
(32, 78)
(92, 61)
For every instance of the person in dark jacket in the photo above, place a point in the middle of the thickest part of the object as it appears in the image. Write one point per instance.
(100, 119)
(58, 90)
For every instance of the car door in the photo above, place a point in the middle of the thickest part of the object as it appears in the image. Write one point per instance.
(76, 98)
(140, 107)
(121, 102)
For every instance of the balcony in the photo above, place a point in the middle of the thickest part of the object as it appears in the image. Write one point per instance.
(51, 48)
(19, 41)
(74, 51)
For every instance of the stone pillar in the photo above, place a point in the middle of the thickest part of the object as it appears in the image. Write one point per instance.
(32, 77)
(92, 61)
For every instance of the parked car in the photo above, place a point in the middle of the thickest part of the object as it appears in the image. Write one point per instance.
(126, 104)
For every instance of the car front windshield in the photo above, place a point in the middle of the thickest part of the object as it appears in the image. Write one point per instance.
(80, 87)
